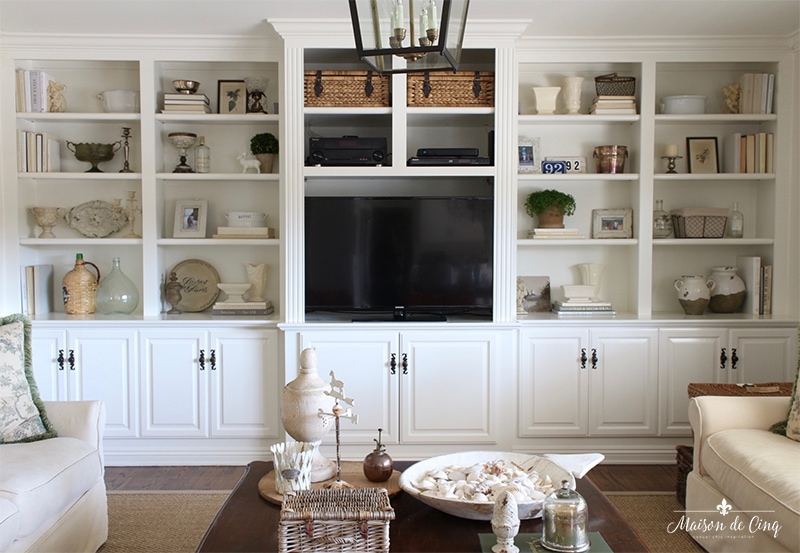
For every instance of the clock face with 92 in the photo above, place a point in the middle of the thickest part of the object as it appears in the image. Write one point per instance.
(574, 164)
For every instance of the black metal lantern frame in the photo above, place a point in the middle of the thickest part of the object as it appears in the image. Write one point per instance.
(428, 34)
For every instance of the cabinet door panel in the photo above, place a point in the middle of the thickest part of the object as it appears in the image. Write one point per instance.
(362, 361)
(446, 396)
(553, 383)
(764, 355)
(624, 389)
(685, 356)
(50, 376)
(244, 388)
(173, 385)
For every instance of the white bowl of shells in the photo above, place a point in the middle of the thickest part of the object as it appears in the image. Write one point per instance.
(466, 484)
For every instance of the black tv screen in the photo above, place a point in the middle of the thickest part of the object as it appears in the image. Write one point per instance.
(399, 254)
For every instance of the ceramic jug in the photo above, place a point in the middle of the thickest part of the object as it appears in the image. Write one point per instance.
(694, 293)
(728, 293)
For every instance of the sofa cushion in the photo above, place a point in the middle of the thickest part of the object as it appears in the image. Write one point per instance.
(9, 523)
(42, 478)
(793, 420)
(759, 471)
(22, 414)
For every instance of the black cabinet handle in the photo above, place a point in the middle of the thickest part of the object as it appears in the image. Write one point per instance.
(734, 359)
(60, 360)
(723, 358)
(594, 359)
(71, 359)
(404, 363)
(213, 360)
(393, 364)
(202, 359)
(583, 358)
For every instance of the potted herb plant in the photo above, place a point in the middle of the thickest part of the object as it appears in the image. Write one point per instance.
(550, 206)
(265, 147)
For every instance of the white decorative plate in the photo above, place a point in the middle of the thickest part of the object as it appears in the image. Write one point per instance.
(199, 280)
(96, 219)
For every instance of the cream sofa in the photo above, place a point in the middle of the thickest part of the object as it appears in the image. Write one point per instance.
(755, 472)
(52, 492)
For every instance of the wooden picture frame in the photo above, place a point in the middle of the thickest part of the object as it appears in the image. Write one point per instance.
(702, 154)
(231, 97)
(191, 217)
(529, 155)
(612, 223)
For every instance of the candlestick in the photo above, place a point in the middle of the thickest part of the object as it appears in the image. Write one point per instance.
(671, 151)
(671, 162)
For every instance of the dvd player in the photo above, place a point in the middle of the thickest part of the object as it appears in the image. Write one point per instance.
(431, 161)
(447, 152)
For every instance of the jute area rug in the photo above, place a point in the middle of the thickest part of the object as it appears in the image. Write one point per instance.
(174, 522)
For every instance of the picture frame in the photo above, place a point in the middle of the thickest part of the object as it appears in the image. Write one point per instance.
(702, 154)
(529, 155)
(612, 223)
(231, 97)
(191, 217)
(533, 294)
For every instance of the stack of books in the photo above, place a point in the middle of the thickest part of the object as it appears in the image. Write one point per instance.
(176, 102)
(555, 234)
(756, 92)
(758, 283)
(749, 153)
(582, 306)
(614, 105)
(37, 289)
(38, 152)
(244, 232)
(32, 93)
(250, 308)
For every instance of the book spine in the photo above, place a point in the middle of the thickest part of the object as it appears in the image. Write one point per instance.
(767, 288)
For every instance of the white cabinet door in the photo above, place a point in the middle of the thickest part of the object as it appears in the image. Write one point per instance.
(686, 355)
(173, 382)
(363, 361)
(446, 393)
(762, 354)
(245, 396)
(623, 382)
(553, 391)
(90, 363)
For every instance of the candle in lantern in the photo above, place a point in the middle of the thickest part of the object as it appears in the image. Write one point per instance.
(433, 17)
(423, 22)
(671, 151)
(398, 16)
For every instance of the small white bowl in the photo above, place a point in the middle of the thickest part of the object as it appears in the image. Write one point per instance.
(246, 219)
(683, 104)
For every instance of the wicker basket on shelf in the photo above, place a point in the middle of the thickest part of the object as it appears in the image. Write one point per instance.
(335, 520)
(614, 85)
(461, 89)
(346, 89)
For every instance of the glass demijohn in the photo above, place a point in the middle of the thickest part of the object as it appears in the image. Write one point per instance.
(736, 222)
(116, 292)
(662, 223)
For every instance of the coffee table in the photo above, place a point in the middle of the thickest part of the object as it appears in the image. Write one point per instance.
(249, 523)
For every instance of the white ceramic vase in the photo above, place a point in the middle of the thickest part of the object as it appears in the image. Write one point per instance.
(546, 99)
(694, 293)
(591, 274)
(729, 291)
(573, 86)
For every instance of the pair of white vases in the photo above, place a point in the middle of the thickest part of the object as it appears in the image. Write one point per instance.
(546, 96)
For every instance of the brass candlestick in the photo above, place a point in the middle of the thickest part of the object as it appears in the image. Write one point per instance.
(126, 150)
(671, 163)
(132, 211)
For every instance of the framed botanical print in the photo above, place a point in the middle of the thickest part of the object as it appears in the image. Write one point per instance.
(702, 154)
(231, 97)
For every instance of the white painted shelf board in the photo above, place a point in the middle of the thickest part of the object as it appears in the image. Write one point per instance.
(715, 118)
(272, 177)
(582, 118)
(714, 176)
(686, 242)
(449, 112)
(190, 242)
(216, 118)
(580, 242)
(399, 172)
(347, 111)
(78, 117)
(80, 241)
(579, 176)
(80, 176)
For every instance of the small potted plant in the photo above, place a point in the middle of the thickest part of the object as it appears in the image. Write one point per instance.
(265, 147)
(550, 206)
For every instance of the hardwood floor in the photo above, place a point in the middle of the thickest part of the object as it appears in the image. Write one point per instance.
(609, 478)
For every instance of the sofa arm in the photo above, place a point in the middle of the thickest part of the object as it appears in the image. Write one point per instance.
(711, 414)
(85, 420)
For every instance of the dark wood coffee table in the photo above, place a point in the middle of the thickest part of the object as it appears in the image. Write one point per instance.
(249, 523)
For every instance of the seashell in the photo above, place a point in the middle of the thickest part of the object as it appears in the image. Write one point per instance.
(536, 495)
(457, 475)
(438, 474)
(480, 497)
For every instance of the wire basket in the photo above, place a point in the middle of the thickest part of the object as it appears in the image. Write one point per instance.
(614, 85)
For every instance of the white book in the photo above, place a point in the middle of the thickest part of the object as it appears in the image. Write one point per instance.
(42, 289)
(253, 231)
(746, 94)
(53, 155)
(27, 78)
(20, 82)
(767, 290)
(749, 269)
(732, 153)
(36, 97)
(770, 92)
(22, 151)
(770, 165)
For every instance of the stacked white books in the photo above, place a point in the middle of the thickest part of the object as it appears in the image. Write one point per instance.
(185, 103)
(582, 306)
(38, 152)
(555, 234)
(32, 93)
(37, 289)
(249, 308)
(614, 105)
(244, 232)
(756, 92)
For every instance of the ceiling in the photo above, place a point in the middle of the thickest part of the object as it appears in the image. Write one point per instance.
(548, 18)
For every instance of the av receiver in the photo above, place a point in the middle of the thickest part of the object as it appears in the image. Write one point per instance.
(346, 151)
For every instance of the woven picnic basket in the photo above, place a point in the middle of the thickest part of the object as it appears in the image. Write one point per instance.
(335, 520)
(346, 89)
(461, 89)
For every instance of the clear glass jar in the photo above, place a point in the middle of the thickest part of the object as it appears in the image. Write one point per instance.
(735, 222)
(564, 519)
(202, 156)
(662, 222)
(117, 293)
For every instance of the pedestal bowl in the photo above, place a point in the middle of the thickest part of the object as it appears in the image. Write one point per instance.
(93, 152)
(47, 218)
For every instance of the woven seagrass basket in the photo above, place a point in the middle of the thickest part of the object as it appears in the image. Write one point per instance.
(346, 89)
(335, 520)
(614, 85)
(461, 89)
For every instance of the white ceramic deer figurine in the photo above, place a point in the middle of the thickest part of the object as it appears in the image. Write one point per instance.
(248, 163)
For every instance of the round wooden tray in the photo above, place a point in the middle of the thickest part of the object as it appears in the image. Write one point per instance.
(352, 473)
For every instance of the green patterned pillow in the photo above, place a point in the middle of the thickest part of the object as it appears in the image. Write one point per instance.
(791, 426)
(22, 414)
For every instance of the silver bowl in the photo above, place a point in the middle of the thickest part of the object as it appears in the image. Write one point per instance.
(185, 86)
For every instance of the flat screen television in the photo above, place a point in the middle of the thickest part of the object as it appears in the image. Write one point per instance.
(399, 258)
